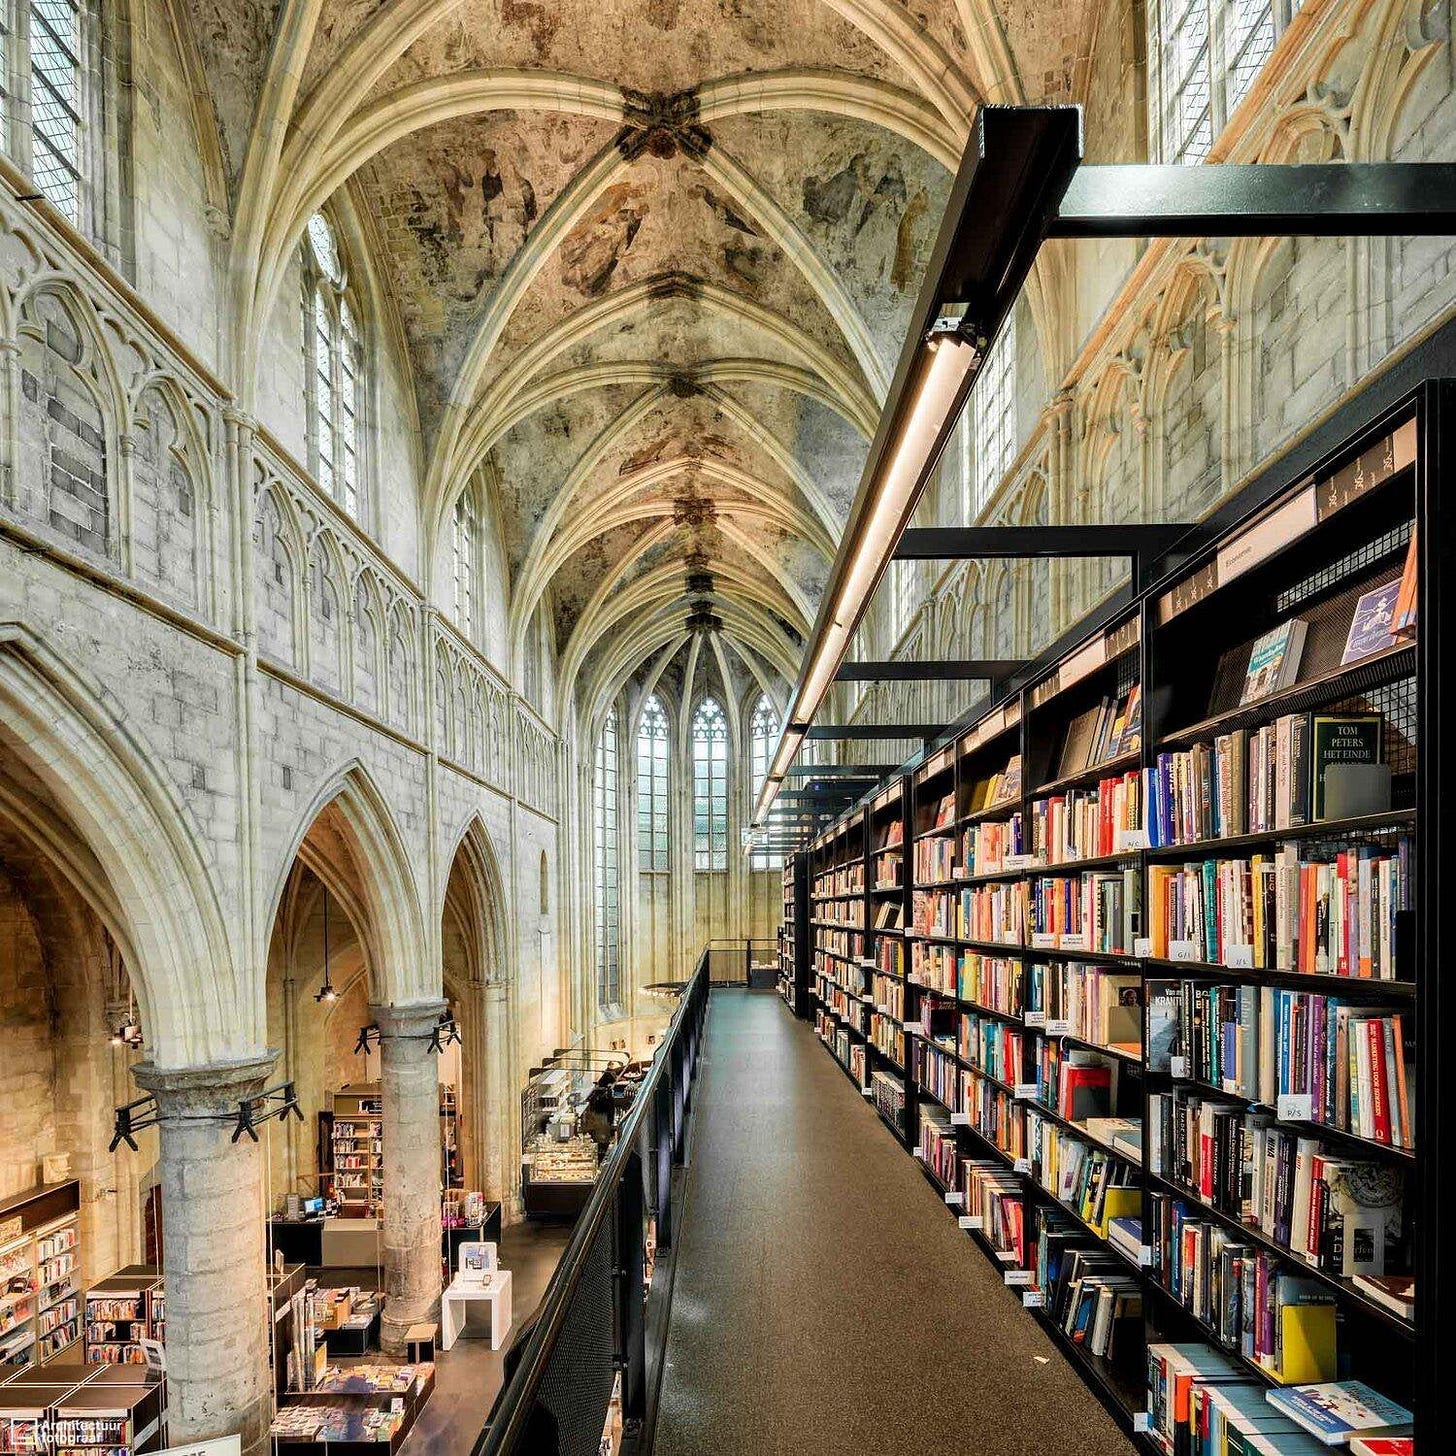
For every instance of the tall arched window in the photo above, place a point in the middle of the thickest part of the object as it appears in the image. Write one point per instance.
(1207, 54)
(905, 582)
(336, 369)
(652, 788)
(605, 859)
(763, 734)
(710, 787)
(465, 547)
(44, 39)
(993, 401)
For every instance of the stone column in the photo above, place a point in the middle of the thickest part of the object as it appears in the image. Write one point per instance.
(213, 1258)
(409, 1086)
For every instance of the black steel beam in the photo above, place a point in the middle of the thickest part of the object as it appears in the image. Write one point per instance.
(840, 770)
(957, 543)
(900, 670)
(1243, 200)
(870, 730)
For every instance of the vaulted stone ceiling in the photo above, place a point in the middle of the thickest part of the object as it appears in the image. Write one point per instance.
(654, 261)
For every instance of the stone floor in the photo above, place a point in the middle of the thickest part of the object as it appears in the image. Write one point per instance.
(824, 1300)
(468, 1377)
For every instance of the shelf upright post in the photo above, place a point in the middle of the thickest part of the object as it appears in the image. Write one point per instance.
(1434, 1171)
(1152, 716)
(911, 1120)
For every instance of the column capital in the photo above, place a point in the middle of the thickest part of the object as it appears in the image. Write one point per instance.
(203, 1087)
(409, 1020)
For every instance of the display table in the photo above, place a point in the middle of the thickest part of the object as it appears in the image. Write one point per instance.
(456, 1300)
(356, 1332)
(351, 1243)
(353, 1412)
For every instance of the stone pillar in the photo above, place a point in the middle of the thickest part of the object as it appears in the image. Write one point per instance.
(409, 1086)
(213, 1257)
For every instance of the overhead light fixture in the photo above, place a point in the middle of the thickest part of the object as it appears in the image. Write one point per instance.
(1013, 175)
(951, 353)
(326, 993)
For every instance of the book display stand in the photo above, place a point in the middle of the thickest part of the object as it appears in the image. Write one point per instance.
(1142, 965)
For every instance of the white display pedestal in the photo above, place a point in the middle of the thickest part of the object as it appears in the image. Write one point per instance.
(455, 1302)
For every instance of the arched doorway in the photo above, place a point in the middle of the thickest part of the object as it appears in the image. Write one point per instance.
(347, 956)
(473, 958)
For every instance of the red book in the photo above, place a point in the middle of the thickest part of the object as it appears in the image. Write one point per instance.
(1316, 1221)
(1379, 1100)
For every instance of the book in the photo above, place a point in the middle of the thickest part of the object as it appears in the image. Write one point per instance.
(1337, 1410)
(1338, 739)
(1274, 660)
(1370, 626)
(1383, 1446)
(1403, 617)
(1395, 1292)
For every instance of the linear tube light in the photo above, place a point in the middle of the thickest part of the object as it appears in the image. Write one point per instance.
(950, 359)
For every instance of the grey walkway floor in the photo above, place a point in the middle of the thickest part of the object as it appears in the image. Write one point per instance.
(825, 1301)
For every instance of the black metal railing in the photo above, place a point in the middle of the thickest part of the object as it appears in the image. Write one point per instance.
(592, 1322)
(731, 961)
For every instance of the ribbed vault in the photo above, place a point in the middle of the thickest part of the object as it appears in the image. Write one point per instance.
(652, 260)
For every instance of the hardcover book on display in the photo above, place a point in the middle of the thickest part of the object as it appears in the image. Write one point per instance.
(1274, 661)
(1337, 740)
(1371, 626)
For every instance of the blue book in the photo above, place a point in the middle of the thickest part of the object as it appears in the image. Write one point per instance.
(1337, 1410)
(1370, 627)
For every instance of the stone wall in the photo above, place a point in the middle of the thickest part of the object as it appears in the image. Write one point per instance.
(247, 657)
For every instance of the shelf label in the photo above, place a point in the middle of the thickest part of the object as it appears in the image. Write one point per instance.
(1183, 950)
(1178, 1066)
(1142, 947)
(1056, 1027)
(1262, 539)
(1074, 942)
(916, 1153)
(1021, 862)
(954, 1200)
(1239, 957)
(970, 1221)
(1026, 1091)
(1021, 1165)
(960, 1119)
(866, 1091)
(1294, 1107)
(1145, 1256)
(1033, 1299)
(1035, 1018)
(1017, 1278)
(1141, 1423)
(1006, 1256)
(1127, 839)
(1041, 940)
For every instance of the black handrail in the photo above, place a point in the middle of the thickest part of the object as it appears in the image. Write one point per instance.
(516, 1404)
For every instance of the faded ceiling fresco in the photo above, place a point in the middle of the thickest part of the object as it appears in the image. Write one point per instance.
(653, 262)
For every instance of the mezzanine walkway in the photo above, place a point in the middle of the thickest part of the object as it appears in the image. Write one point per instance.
(825, 1303)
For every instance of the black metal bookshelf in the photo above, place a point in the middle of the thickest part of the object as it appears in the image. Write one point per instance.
(1305, 539)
